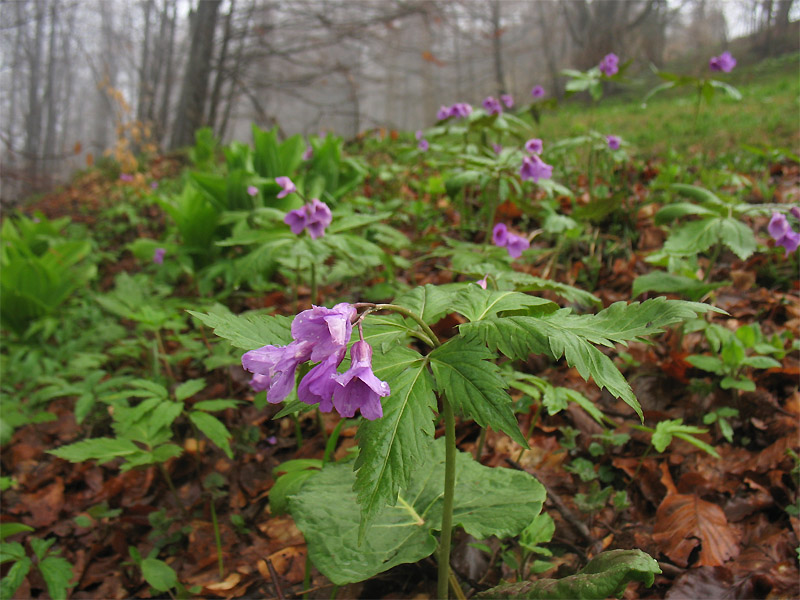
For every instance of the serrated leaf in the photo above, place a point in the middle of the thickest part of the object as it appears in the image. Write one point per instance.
(606, 575)
(158, 574)
(189, 388)
(9, 529)
(247, 331)
(694, 237)
(100, 449)
(392, 447)
(213, 429)
(14, 578)
(738, 237)
(476, 304)
(57, 573)
(670, 283)
(474, 386)
(326, 512)
(429, 302)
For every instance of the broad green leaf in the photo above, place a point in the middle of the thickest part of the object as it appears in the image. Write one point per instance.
(57, 573)
(682, 209)
(384, 331)
(285, 486)
(696, 192)
(189, 388)
(524, 282)
(606, 575)
(326, 512)
(727, 88)
(738, 237)
(669, 283)
(11, 551)
(430, 302)
(159, 574)
(213, 429)
(392, 447)
(9, 529)
(694, 237)
(100, 449)
(539, 531)
(247, 331)
(14, 578)
(760, 362)
(746, 385)
(476, 304)
(215, 405)
(473, 385)
(708, 363)
(666, 430)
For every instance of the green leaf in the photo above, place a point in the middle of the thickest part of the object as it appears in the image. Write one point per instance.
(540, 531)
(213, 429)
(476, 304)
(606, 575)
(697, 193)
(159, 574)
(247, 331)
(694, 237)
(326, 512)
(57, 573)
(738, 237)
(681, 209)
(760, 362)
(9, 529)
(727, 88)
(11, 551)
(665, 430)
(215, 405)
(473, 385)
(708, 363)
(189, 388)
(739, 383)
(429, 302)
(392, 447)
(100, 449)
(285, 486)
(669, 283)
(14, 578)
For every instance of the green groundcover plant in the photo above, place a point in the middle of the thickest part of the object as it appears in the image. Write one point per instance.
(401, 498)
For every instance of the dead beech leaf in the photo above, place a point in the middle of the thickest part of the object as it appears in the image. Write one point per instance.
(683, 521)
(230, 581)
(289, 564)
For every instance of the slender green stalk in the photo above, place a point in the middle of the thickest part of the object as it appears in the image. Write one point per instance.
(307, 576)
(313, 283)
(298, 431)
(330, 445)
(449, 492)
(217, 539)
(432, 339)
(171, 486)
(321, 425)
(530, 428)
(163, 353)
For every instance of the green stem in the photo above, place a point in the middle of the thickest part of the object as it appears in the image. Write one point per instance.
(590, 172)
(313, 283)
(321, 425)
(449, 493)
(307, 576)
(298, 431)
(171, 486)
(432, 339)
(217, 540)
(530, 428)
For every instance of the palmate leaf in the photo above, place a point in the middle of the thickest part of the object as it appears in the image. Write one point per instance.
(476, 304)
(247, 331)
(488, 501)
(574, 336)
(393, 446)
(430, 302)
(474, 386)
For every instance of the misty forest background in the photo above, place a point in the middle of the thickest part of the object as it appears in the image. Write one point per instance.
(83, 80)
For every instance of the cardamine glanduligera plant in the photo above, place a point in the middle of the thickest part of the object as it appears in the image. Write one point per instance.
(401, 498)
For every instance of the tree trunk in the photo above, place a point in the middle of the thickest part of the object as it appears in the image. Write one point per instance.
(50, 96)
(161, 121)
(191, 106)
(497, 47)
(33, 119)
(145, 84)
(219, 78)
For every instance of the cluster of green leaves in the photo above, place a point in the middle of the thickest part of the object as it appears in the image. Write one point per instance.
(54, 569)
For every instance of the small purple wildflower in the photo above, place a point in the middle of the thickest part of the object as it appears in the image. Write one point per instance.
(513, 243)
(274, 367)
(609, 65)
(534, 146)
(508, 100)
(271, 440)
(460, 110)
(537, 91)
(315, 217)
(782, 233)
(287, 185)
(535, 168)
(482, 282)
(153, 185)
(358, 388)
(492, 106)
(497, 148)
(423, 145)
(318, 385)
(327, 329)
(252, 190)
(158, 255)
(309, 153)
(443, 113)
(724, 62)
(613, 142)
(126, 177)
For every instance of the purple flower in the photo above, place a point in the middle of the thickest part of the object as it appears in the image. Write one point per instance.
(537, 91)
(492, 106)
(782, 233)
(794, 210)
(319, 384)
(535, 168)
(158, 255)
(507, 99)
(534, 146)
(315, 217)
(287, 185)
(309, 153)
(358, 388)
(327, 329)
(423, 145)
(252, 190)
(613, 142)
(271, 440)
(126, 177)
(482, 282)
(609, 64)
(460, 110)
(443, 113)
(153, 185)
(515, 244)
(274, 367)
(497, 148)
(724, 62)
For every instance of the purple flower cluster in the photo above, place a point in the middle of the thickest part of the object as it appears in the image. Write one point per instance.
(126, 177)
(609, 65)
(320, 335)
(314, 216)
(724, 62)
(508, 100)
(287, 185)
(534, 146)
(515, 244)
(458, 111)
(158, 255)
(423, 144)
(613, 142)
(782, 232)
(253, 190)
(492, 106)
(535, 168)
(537, 91)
